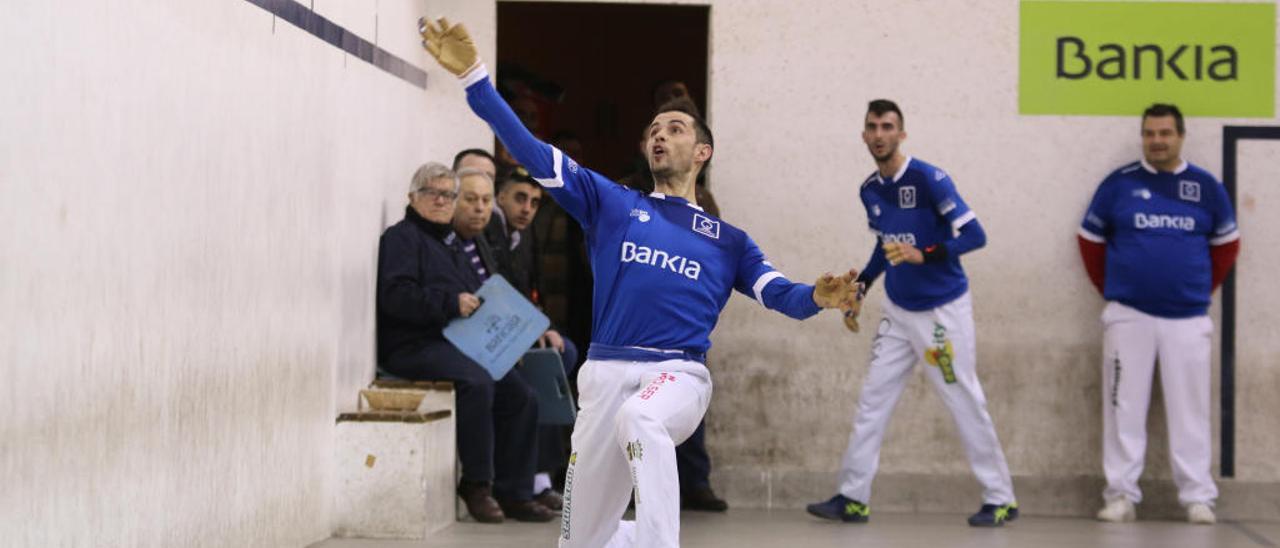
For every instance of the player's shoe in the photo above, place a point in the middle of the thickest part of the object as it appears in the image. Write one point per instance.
(994, 515)
(1200, 513)
(841, 508)
(1117, 511)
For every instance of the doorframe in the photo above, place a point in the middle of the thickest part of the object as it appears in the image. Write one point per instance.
(1231, 136)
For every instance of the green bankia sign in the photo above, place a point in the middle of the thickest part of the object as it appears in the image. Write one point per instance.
(1116, 58)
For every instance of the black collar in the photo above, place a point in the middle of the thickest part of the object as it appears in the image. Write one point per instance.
(439, 231)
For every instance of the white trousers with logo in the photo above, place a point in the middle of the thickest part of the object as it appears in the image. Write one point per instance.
(1132, 343)
(944, 338)
(631, 417)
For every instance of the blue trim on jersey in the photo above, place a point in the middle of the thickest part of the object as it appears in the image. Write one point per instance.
(663, 268)
(599, 351)
(1158, 227)
(919, 205)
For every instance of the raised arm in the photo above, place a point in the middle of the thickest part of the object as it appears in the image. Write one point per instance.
(577, 190)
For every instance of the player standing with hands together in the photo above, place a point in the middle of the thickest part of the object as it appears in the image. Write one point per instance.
(922, 227)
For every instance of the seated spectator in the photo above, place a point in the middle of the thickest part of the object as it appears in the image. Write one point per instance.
(476, 158)
(424, 281)
(510, 238)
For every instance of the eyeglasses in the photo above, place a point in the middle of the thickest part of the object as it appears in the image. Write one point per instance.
(435, 194)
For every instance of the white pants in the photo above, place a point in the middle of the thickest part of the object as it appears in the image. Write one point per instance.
(1131, 344)
(632, 415)
(942, 336)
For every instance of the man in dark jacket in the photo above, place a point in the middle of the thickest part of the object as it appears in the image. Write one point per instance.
(510, 237)
(424, 282)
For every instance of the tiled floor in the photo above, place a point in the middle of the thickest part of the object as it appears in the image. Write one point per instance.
(795, 529)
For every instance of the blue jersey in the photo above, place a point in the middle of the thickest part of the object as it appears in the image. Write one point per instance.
(1158, 227)
(663, 267)
(918, 206)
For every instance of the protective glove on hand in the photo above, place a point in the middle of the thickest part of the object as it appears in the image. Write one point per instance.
(450, 45)
(855, 307)
(834, 291)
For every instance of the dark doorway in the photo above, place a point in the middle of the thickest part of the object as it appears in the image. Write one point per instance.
(590, 70)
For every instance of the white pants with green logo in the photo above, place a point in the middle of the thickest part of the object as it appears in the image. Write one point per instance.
(631, 417)
(1132, 343)
(943, 339)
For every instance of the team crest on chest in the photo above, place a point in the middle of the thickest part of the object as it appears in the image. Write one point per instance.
(1189, 190)
(907, 197)
(706, 226)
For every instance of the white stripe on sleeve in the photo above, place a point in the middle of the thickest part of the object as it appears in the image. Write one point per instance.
(1091, 236)
(963, 220)
(762, 281)
(558, 180)
(1226, 238)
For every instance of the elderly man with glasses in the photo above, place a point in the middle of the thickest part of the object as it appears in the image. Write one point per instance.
(424, 281)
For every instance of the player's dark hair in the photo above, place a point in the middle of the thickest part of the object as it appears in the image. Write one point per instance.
(1160, 110)
(880, 107)
(685, 105)
(517, 174)
(457, 158)
(702, 132)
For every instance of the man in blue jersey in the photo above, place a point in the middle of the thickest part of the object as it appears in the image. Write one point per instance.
(922, 227)
(663, 270)
(1158, 237)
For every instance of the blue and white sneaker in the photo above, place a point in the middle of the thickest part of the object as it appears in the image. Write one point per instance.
(841, 508)
(994, 515)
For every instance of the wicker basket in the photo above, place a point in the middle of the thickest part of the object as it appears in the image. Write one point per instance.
(392, 399)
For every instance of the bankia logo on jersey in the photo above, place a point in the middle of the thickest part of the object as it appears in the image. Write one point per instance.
(633, 253)
(1153, 220)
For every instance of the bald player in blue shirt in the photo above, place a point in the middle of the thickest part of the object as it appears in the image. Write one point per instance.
(663, 270)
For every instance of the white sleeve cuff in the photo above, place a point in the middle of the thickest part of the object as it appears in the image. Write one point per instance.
(475, 74)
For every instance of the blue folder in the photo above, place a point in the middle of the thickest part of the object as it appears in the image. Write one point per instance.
(543, 369)
(501, 330)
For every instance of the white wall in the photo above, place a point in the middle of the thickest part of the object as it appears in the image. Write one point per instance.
(789, 87)
(191, 194)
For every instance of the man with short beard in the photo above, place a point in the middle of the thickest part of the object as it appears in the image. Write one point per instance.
(1158, 238)
(922, 227)
(663, 271)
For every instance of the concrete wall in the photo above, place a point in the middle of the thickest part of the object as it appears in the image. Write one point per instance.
(785, 394)
(191, 195)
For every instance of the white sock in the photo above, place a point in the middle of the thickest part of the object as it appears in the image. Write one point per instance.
(541, 482)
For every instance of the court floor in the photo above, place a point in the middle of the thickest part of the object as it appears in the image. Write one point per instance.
(795, 529)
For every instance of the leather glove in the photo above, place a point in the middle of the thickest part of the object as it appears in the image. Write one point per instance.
(832, 291)
(450, 45)
(855, 307)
